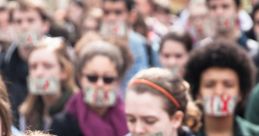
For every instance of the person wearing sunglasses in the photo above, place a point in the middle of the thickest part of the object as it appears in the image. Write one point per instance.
(97, 110)
(50, 84)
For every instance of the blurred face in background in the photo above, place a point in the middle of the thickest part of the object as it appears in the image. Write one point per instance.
(174, 56)
(144, 7)
(29, 27)
(224, 13)
(114, 11)
(29, 20)
(41, 66)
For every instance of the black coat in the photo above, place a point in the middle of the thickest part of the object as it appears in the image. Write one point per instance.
(65, 124)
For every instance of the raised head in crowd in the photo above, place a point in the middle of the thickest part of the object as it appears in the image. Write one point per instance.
(50, 84)
(221, 76)
(174, 51)
(155, 104)
(97, 109)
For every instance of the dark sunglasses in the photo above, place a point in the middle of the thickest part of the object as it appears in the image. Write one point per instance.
(116, 12)
(106, 79)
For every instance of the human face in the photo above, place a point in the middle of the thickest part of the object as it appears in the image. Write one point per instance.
(41, 66)
(102, 67)
(114, 11)
(144, 7)
(219, 8)
(146, 115)
(223, 14)
(219, 81)
(173, 55)
(29, 20)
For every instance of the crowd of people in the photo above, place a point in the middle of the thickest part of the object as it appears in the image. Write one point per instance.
(129, 68)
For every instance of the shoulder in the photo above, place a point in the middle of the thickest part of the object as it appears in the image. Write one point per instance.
(64, 124)
(246, 128)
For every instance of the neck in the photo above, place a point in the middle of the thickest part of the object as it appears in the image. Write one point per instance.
(219, 126)
(99, 111)
(50, 100)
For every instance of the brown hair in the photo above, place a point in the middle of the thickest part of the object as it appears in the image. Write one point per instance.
(166, 80)
(115, 52)
(5, 112)
(179, 36)
(34, 103)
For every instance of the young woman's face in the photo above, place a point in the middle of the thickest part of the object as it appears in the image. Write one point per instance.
(43, 63)
(99, 73)
(146, 115)
(173, 55)
(219, 81)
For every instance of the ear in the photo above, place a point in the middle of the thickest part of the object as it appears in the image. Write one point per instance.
(63, 75)
(177, 119)
(45, 27)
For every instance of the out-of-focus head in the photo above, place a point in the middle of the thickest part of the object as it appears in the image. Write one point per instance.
(224, 13)
(155, 103)
(174, 51)
(117, 10)
(56, 67)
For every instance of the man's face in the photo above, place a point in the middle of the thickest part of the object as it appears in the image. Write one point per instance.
(28, 20)
(114, 11)
(224, 14)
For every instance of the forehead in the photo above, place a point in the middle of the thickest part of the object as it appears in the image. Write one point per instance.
(26, 12)
(144, 104)
(219, 73)
(119, 4)
(41, 53)
(221, 2)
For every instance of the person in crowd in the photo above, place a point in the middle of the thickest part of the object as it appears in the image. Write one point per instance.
(253, 33)
(198, 22)
(155, 103)
(50, 83)
(115, 22)
(175, 60)
(216, 74)
(224, 18)
(97, 109)
(28, 20)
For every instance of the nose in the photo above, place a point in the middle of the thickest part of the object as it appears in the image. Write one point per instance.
(24, 25)
(111, 18)
(139, 128)
(173, 61)
(38, 72)
(100, 83)
(219, 90)
(219, 12)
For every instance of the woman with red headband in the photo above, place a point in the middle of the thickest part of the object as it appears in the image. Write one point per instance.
(155, 104)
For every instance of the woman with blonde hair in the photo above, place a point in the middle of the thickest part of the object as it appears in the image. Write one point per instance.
(50, 84)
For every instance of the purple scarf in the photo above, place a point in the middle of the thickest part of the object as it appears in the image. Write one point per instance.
(113, 123)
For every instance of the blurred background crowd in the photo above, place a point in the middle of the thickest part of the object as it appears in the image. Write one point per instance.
(129, 67)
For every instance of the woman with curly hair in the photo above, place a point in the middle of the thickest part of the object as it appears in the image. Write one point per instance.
(221, 75)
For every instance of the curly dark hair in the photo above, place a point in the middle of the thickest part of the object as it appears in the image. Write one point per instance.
(222, 54)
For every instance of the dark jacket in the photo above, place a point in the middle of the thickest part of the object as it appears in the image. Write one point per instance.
(14, 71)
(64, 124)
